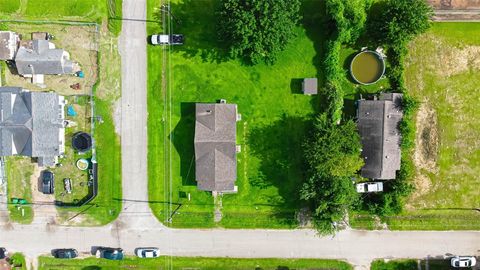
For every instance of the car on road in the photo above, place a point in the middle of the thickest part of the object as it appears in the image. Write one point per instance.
(160, 39)
(48, 182)
(147, 252)
(3, 253)
(65, 253)
(369, 187)
(110, 253)
(463, 261)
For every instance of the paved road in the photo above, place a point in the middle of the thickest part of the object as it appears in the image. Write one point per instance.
(132, 44)
(358, 247)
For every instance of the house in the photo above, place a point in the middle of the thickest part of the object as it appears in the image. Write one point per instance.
(215, 146)
(378, 122)
(8, 45)
(309, 86)
(32, 124)
(39, 57)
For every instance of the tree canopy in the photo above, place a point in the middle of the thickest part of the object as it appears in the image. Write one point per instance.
(257, 30)
(333, 155)
(400, 21)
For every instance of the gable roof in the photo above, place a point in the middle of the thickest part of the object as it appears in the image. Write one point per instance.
(215, 146)
(36, 57)
(30, 123)
(378, 122)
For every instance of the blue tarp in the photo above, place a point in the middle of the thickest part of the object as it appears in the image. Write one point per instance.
(71, 111)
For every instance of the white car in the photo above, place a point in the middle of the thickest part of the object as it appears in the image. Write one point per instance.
(369, 187)
(463, 261)
(174, 39)
(147, 252)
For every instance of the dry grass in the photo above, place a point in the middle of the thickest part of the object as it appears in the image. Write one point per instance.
(78, 41)
(444, 74)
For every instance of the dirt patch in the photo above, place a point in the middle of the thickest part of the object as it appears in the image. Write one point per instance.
(427, 142)
(455, 4)
(79, 41)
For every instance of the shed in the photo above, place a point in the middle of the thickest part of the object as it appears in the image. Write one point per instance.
(309, 86)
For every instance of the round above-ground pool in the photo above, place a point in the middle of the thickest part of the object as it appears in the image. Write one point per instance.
(367, 67)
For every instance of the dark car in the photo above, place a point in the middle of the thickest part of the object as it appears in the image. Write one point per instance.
(48, 181)
(65, 253)
(3, 253)
(110, 253)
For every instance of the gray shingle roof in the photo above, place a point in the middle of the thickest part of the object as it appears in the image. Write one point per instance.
(378, 122)
(309, 86)
(35, 57)
(8, 45)
(215, 146)
(30, 123)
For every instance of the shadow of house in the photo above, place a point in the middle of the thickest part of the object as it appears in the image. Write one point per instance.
(194, 19)
(182, 138)
(279, 147)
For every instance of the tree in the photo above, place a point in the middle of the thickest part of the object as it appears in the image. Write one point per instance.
(257, 30)
(401, 20)
(333, 156)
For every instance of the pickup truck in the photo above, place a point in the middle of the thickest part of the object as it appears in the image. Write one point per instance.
(369, 187)
(174, 39)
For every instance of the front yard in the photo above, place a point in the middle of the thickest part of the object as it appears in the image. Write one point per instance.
(275, 119)
(191, 263)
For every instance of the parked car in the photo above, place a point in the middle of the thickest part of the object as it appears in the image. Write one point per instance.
(48, 182)
(174, 39)
(65, 253)
(369, 187)
(463, 261)
(147, 252)
(3, 253)
(110, 253)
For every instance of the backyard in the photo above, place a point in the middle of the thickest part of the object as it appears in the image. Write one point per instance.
(192, 263)
(94, 47)
(275, 120)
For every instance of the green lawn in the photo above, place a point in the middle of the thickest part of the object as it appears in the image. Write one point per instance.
(48, 263)
(19, 170)
(409, 264)
(443, 72)
(85, 10)
(18, 260)
(9, 6)
(275, 120)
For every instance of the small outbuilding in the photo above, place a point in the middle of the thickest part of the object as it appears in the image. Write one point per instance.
(309, 86)
(8, 45)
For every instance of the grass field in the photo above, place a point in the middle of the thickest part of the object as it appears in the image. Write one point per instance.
(48, 263)
(443, 73)
(19, 171)
(409, 264)
(9, 6)
(275, 119)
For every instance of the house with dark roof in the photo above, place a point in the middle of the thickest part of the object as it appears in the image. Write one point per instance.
(215, 146)
(378, 125)
(38, 57)
(32, 124)
(8, 45)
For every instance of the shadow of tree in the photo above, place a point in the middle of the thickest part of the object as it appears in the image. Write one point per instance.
(193, 19)
(182, 137)
(279, 147)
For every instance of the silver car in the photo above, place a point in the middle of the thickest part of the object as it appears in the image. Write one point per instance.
(463, 261)
(147, 252)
